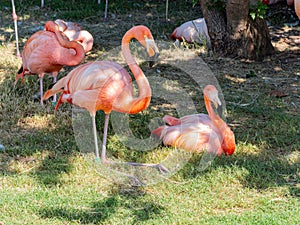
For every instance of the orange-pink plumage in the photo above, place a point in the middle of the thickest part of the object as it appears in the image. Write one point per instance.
(107, 86)
(198, 132)
(74, 32)
(48, 51)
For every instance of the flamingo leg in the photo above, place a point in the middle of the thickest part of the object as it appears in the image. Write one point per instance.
(106, 6)
(15, 18)
(103, 152)
(95, 138)
(54, 96)
(104, 160)
(167, 9)
(41, 90)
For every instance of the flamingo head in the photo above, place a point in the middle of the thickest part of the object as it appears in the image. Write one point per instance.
(228, 144)
(211, 93)
(144, 36)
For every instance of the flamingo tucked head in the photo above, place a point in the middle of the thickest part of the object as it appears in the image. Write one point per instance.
(51, 26)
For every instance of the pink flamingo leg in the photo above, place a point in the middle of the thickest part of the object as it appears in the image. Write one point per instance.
(54, 96)
(106, 6)
(41, 89)
(103, 152)
(15, 18)
(95, 138)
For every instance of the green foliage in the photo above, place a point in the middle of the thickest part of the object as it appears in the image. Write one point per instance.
(258, 10)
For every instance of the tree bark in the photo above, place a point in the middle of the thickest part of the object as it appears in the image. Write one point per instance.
(232, 31)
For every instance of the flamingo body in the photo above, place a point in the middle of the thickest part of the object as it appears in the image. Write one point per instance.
(197, 132)
(48, 51)
(100, 85)
(192, 31)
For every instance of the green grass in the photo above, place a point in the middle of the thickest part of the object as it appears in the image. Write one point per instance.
(44, 179)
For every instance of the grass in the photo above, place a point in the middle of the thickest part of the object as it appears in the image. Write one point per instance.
(44, 179)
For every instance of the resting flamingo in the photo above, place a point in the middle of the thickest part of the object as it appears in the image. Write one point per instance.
(192, 31)
(74, 32)
(48, 51)
(107, 86)
(197, 132)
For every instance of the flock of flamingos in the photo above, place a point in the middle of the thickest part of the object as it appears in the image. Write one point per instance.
(107, 86)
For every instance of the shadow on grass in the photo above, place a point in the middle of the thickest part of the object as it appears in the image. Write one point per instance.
(97, 212)
(259, 171)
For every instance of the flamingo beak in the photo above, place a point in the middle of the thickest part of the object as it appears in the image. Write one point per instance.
(218, 105)
(152, 50)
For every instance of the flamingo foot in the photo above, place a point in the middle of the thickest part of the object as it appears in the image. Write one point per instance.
(136, 181)
(54, 103)
(159, 167)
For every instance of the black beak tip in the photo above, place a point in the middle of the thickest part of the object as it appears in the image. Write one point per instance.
(153, 59)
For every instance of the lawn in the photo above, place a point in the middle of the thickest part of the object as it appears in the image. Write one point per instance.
(46, 176)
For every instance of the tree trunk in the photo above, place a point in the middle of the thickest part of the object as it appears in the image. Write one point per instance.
(233, 32)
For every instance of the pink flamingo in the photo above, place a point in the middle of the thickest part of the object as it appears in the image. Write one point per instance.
(107, 86)
(74, 32)
(48, 51)
(197, 132)
(194, 30)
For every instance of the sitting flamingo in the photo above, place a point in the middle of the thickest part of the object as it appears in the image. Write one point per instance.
(197, 132)
(192, 31)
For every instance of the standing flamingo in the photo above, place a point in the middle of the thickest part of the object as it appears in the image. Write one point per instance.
(74, 32)
(107, 86)
(197, 132)
(48, 51)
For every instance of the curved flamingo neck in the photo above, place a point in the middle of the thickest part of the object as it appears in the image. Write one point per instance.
(142, 101)
(217, 121)
(70, 59)
(228, 142)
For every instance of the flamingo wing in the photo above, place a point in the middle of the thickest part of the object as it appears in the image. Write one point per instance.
(94, 86)
(192, 137)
